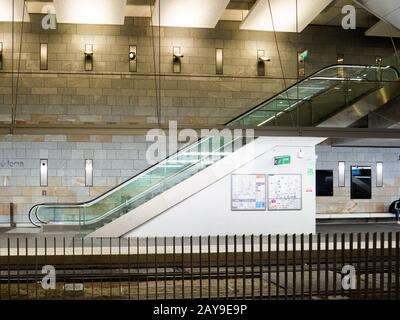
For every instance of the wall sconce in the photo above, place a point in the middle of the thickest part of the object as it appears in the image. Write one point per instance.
(89, 173)
(88, 57)
(177, 57)
(1, 55)
(43, 56)
(43, 172)
(379, 174)
(341, 172)
(302, 57)
(261, 60)
(132, 59)
(219, 61)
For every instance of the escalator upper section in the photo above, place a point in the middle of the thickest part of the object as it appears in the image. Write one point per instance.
(318, 97)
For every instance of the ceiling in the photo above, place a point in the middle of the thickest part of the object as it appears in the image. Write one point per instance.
(332, 15)
(326, 12)
(283, 16)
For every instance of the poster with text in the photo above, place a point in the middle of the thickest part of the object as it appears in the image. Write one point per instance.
(284, 192)
(248, 192)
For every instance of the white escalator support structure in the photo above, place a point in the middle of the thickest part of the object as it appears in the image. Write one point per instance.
(197, 183)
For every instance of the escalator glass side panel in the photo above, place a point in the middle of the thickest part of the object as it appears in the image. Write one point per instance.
(342, 84)
(143, 187)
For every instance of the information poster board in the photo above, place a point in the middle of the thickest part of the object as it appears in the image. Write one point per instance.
(284, 192)
(248, 192)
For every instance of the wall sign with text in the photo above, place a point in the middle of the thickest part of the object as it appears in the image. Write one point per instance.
(284, 192)
(248, 192)
(281, 160)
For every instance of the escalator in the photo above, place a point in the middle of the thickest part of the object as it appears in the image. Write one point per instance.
(322, 96)
(96, 213)
(310, 102)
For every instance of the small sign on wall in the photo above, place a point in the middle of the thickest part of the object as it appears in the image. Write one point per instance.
(280, 160)
(248, 192)
(11, 163)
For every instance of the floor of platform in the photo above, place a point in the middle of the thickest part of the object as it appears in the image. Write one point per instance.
(323, 228)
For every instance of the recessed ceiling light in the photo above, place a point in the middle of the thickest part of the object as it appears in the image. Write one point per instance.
(283, 14)
(6, 11)
(188, 13)
(90, 11)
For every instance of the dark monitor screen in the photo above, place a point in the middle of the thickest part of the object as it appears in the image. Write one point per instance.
(324, 183)
(360, 182)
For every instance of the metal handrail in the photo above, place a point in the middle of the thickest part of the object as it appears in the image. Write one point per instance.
(89, 202)
(130, 200)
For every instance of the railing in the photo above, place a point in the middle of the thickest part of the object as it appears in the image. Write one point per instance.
(322, 266)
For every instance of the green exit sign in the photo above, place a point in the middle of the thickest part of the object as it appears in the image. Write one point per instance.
(281, 160)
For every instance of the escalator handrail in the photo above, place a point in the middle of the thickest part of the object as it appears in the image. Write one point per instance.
(31, 220)
(261, 104)
(86, 203)
(71, 205)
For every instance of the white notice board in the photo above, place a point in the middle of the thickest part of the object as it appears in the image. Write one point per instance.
(284, 192)
(248, 192)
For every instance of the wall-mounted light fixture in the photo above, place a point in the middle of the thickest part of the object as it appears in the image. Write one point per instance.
(379, 174)
(219, 61)
(261, 60)
(341, 177)
(177, 57)
(132, 59)
(43, 56)
(301, 63)
(1, 55)
(88, 173)
(88, 57)
(43, 172)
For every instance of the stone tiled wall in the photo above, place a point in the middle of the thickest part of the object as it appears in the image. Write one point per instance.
(115, 159)
(328, 158)
(110, 94)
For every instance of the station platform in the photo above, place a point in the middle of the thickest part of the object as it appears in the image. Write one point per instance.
(15, 243)
(322, 228)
